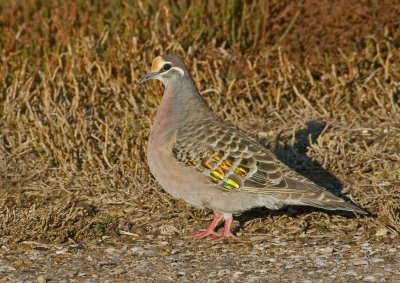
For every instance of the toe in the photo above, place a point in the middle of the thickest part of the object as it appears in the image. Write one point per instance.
(202, 234)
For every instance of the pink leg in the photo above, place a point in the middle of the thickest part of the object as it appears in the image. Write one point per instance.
(227, 231)
(209, 231)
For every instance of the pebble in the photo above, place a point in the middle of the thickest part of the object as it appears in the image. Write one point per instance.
(119, 271)
(63, 251)
(168, 229)
(369, 278)
(345, 247)
(181, 273)
(137, 250)
(6, 268)
(223, 272)
(340, 261)
(350, 272)
(358, 262)
(320, 262)
(326, 251)
(257, 238)
(364, 245)
(5, 248)
(110, 250)
(237, 274)
(41, 279)
(382, 232)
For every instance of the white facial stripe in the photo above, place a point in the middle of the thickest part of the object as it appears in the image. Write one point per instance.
(179, 70)
(164, 78)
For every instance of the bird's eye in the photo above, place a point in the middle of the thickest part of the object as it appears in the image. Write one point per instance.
(167, 67)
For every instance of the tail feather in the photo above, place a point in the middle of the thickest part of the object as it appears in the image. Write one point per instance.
(333, 205)
(310, 194)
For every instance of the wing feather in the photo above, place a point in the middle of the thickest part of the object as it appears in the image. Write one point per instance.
(234, 162)
(227, 156)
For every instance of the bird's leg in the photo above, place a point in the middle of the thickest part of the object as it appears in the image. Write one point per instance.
(210, 229)
(227, 231)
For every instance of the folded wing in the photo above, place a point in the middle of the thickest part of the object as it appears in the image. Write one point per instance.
(234, 162)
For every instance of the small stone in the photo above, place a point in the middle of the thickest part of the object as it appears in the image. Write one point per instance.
(320, 262)
(236, 274)
(376, 260)
(223, 272)
(351, 272)
(168, 229)
(119, 271)
(63, 251)
(181, 273)
(369, 278)
(41, 279)
(346, 247)
(137, 250)
(358, 262)
(326, 251)
(110, 250)
(6, 268)
(5, 248)
(257, 238)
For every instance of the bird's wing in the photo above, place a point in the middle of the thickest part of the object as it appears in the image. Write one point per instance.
(228, 157)
(234, 162)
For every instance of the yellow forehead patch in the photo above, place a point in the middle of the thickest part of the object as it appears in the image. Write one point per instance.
(157, 64)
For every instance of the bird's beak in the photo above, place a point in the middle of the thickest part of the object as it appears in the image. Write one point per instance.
(149, 76)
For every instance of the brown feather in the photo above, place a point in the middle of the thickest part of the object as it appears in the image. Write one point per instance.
(233, 161)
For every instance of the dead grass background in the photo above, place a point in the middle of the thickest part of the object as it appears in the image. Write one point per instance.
(316, 81)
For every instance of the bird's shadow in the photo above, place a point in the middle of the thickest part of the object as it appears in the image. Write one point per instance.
(294, 156)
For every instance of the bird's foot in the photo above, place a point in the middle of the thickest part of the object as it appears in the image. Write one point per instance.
(201, 234)
(210, 231)
(227, 232)
(225, 236)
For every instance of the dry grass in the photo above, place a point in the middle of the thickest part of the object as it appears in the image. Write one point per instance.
(74, 121)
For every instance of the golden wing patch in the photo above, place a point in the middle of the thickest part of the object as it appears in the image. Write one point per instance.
(220, 171)
(227, 157)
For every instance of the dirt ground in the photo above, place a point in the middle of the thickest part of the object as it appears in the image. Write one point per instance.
(316, 82)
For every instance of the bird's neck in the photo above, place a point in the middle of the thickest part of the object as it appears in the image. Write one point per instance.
(181, 102)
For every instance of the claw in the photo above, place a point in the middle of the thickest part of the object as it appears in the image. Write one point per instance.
(227, 232)
(202, 234)
(210, 231)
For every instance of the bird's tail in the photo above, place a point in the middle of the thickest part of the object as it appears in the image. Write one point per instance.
(311, 194)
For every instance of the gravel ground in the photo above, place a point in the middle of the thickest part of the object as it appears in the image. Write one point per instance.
(260, 258)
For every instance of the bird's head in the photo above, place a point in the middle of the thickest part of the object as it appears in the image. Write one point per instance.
(167, 69)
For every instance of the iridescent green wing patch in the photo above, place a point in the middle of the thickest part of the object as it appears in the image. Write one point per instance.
(220, 171)
(227, 157)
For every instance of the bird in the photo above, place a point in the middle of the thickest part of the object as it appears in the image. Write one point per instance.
(212, 164)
